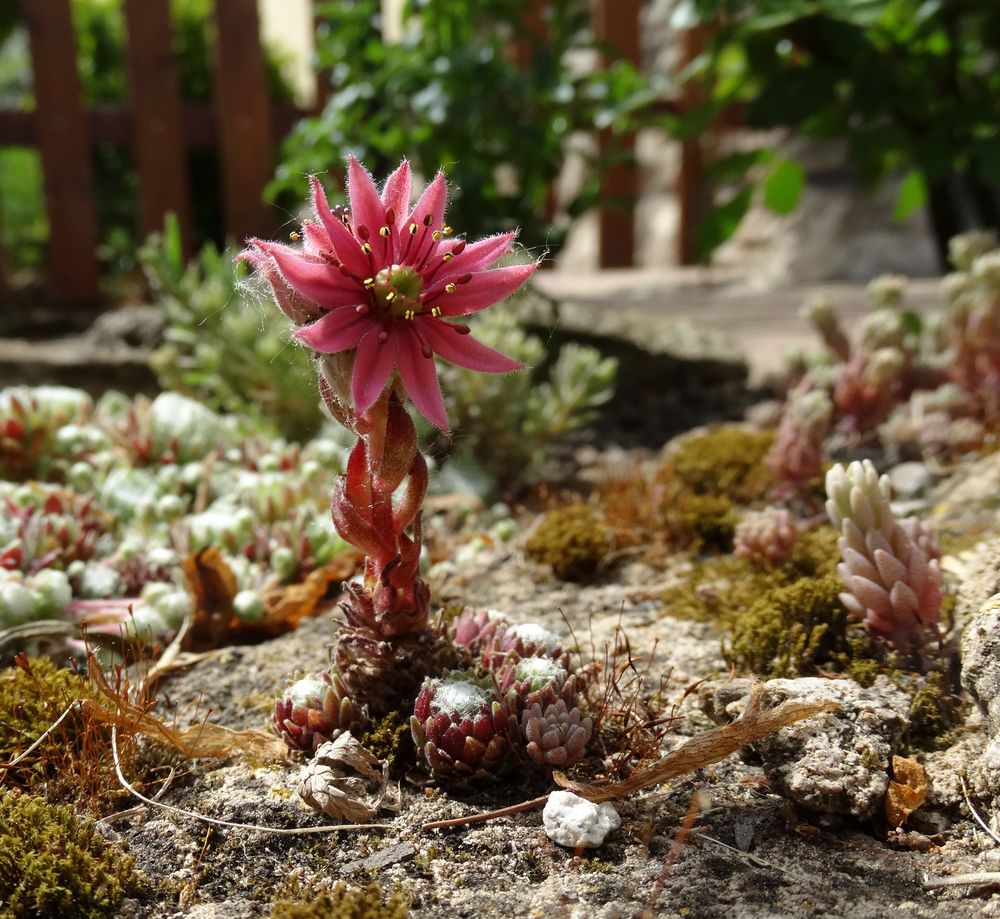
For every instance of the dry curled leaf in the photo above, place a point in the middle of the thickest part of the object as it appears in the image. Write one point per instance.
(707, 748)
(214, 587)
(344, 780)
(907, 790)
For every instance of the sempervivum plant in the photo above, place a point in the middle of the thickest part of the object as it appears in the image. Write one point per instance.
(315, 709)
(765, 536)
(460, 726)
(555, 734)
(892, 584)
(525, 639)
(475, 629)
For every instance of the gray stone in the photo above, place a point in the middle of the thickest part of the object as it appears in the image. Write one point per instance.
(836, 763)
(910, 480)
(135, 326)
(981, 662)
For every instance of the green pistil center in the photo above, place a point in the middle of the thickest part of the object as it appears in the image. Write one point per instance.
(397, 292)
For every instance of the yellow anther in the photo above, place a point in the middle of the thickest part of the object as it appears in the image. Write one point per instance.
(436, 235)
(366, 248)
(412, 228)
(293, 236)
(447, 231)
(409, 314)
(390, 296)
(436, 311)
(447, 257)
(369, 282)
(384, 232)
(449, 288)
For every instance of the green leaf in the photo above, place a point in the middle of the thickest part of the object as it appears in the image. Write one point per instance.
(911, 197)
(721, 223)
(913, 322)
(783, 186)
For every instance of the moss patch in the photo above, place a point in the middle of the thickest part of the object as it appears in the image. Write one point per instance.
(389, 738)
(344, 902)
(572, 540)
(54, 864)
(727, 461)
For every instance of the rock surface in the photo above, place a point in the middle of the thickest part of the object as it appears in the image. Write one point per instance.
(575, 822)
(836, 763)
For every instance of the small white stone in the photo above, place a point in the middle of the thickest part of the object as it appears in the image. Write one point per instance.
(575, 822)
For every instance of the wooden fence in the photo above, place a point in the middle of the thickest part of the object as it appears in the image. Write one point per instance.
(242, 124)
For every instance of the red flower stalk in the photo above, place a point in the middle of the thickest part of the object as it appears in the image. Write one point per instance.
(393, 600)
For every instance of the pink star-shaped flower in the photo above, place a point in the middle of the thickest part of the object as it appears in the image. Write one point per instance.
(384, 280)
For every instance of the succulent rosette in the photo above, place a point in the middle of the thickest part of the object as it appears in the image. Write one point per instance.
(525, 639)
(315, 709)
(383, 281)
(475, 629)
(536, 679)
(765, 537)
(460, 725)
(556, 734)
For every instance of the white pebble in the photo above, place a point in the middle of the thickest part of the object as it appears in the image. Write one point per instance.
(575, 822)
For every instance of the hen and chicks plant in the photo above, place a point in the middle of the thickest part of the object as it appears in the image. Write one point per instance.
(375, 291)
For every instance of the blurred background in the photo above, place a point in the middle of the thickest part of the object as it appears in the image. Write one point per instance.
(671, 146)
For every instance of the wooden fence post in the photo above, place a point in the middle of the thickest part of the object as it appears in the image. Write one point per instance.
(690, 184)
(243, 117)
(64, 143)
(158, 128)
(617, 25)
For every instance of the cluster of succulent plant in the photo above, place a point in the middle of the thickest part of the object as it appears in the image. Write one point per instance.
(911, 384)
(765, 536)
(103, 511)
(890, 568)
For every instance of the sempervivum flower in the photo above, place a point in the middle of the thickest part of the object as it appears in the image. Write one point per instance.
(891, 582)
(765, 536)
(382, 280)
(460, 726)
(555, 734)
(315, 709)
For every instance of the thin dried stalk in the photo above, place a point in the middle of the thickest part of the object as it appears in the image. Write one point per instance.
(707, 748)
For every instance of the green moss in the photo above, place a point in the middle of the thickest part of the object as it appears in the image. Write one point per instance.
(699, 521)
(31, 700)
(389, 737)
(936, 713)
(719, 590)
(795, 630)
(54, 864)
(344, 902)
(572, 540)
(727, 461)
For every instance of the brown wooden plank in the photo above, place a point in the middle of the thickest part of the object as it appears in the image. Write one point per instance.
(690, 187)
(65, 151)
(157, 122)
(243, 114)
(617, 25)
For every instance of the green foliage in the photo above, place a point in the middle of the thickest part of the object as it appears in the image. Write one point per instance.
(792, 631)
(698, 521)
(726, 461)
(908, 84)
(501, 145)
(505, 425)
(344, 902)
(54, 864)
(219, 347)
(572, 540)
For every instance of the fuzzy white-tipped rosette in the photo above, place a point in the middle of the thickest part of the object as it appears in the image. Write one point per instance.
(892, 584)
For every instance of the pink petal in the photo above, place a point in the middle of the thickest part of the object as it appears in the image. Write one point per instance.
(420, 379)
(463, 349)
(366, 205)
(346, 248)
(317, 240)
(477, 256)
(372, 365)
(483, 289)
(396, 193)
(432, 202)
(338, 330)
(314, 279)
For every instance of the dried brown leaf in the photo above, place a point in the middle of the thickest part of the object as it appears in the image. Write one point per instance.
(214, 586)
(707, 748)
(907, 790)
(342, 781)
